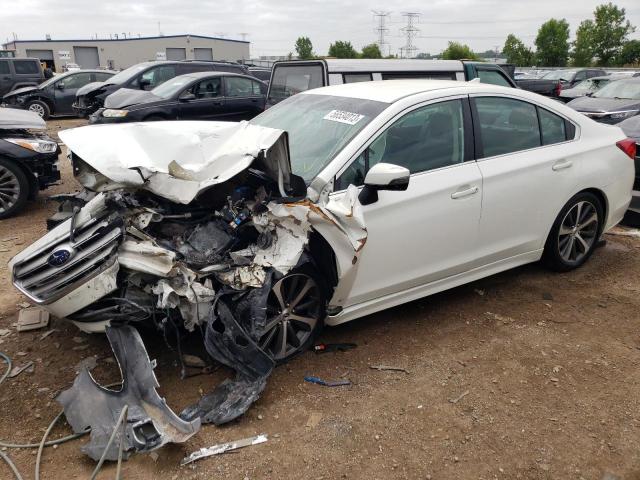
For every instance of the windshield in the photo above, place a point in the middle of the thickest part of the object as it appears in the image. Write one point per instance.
(559, 75)
(55, 78)
(171, 87)
(319, 126)
(629, 89)
(126, 74)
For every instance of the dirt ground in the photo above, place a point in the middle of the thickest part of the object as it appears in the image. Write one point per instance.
(523, 375)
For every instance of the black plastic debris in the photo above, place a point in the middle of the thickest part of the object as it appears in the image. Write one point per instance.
(333, 347)
(150, 422)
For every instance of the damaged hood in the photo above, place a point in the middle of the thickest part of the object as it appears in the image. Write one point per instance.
(177, 160)
(91, 87)
(11, 119)
(127, 96)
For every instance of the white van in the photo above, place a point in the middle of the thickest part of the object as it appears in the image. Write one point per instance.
(295, 76)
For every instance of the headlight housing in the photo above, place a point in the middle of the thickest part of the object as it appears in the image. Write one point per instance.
(624, 114)
(113, 113)
(36, 144)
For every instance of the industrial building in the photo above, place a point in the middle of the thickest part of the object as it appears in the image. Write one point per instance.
(120, 53)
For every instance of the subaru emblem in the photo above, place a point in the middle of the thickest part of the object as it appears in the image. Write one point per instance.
(60, 257)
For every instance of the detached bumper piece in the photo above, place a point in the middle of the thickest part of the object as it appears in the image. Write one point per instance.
(150, 423)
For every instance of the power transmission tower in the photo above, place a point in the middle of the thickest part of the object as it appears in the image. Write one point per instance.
(381, 29)
(411, 32)
(244, 36)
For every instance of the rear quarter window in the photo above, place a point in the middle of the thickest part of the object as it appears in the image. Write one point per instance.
(25, 67)
(552, 127)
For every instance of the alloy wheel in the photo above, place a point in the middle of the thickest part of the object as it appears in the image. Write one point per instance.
(578, 231)
(293, 311)
(37, 108)
(9, 189)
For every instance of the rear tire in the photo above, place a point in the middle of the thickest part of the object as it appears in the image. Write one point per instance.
(575, 233)
(39, 107)
(14, 188)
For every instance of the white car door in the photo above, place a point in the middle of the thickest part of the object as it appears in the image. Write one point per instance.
(528, 173)
(427, 232)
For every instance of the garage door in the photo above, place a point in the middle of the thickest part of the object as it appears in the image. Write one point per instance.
(41, 54)
(176, 54)
(203, 54)
(87, 57)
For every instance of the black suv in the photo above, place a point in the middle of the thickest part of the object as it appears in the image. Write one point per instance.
(19, 72)
(28, 159)
(144, 76)
(54, 96)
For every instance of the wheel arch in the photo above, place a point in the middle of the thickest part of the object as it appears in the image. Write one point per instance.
(43, 99)
(31, 178)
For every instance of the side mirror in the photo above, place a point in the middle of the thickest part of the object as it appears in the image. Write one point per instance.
(60, 85)
(186, 97)
(144, 83)
(590, 94)
(383, 176)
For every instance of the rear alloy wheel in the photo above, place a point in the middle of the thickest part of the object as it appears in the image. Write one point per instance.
(295, 315)
(14, 188)
(39, 107)
(575, 233)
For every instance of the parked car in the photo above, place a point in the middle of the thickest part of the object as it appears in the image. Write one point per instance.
(527, 179)
(144, 76)
(631, 128)
(261, 73)
(295, 76)
(613, 103)
(552, 83)
(588, 87)
(56, 95)
(195, 96)
(28, 159)
(19, 72)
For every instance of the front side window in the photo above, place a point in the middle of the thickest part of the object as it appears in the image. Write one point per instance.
(425, 139)
(319, 127)
(492, 77)
(76, 81)
(506, 125)
(209, 88)
(103, 77)
(25, 67)
(356, 77)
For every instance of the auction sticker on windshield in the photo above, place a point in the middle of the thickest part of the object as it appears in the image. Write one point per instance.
(343, 117)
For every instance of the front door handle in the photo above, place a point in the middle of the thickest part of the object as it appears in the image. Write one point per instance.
(464, 193)
(561, 165)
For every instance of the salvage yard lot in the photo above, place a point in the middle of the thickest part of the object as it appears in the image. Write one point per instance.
(526, 374)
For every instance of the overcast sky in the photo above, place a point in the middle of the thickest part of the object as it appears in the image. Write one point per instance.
(273, 26)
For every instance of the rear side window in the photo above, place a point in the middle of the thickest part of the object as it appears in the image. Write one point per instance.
(239, 87)
(291, 79)
(552, 127)
(493, 77)
(156, 76)
(4, 67)
(25, 67)
(194, 67)
(506, 125)
(356, 77)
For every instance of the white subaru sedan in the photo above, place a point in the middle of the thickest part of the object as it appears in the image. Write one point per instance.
(458, 181)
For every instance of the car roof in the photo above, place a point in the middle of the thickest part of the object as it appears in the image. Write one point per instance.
(216, 73)
(389, 91)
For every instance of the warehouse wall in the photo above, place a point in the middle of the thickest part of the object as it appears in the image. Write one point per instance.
(124, 53)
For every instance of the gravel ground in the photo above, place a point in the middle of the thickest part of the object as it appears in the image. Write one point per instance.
(523, 375)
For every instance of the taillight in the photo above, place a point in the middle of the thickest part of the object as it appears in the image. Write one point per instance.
(558, 89)
(628, 146)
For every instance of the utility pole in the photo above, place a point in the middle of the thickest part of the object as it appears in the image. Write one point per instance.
(410, 31)
(244, 36)
(381, 29)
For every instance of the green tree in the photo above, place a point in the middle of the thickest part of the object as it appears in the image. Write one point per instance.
(517, 52)
(304, 48)
(552, 43)
(342, 49)
(582, 54)
(371, 51)
(611, 30)
(457, 51)
(630, 54)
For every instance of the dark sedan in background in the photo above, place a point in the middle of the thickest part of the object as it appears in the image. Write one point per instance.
(56, 95)
(195, 96)
(613, 103)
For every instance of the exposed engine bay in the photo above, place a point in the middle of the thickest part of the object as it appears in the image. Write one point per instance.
(188, 227)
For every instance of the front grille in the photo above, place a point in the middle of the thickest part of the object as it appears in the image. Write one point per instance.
(94, 247)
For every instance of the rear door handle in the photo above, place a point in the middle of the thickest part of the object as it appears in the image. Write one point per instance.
(464, 193)
(561, 165)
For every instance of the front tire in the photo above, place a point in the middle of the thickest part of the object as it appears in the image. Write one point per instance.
(296, 308)
(39, 107)
(575, 233)
(14, 188)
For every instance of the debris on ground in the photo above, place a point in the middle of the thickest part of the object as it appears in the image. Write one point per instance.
(624, 232)
(333, 347)
(32, 318)
(319, 381)
(459, 397)
(389, 367)
(4, 332)
(313, 420)
(17, 370)
(224, 447)
(47, 333)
